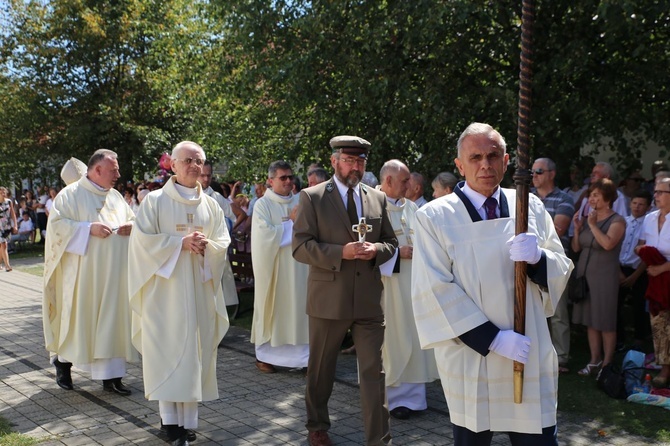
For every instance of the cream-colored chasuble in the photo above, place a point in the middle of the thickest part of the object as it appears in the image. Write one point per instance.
(404, 361)
(280, 297)
(178, 321)
(86, 315)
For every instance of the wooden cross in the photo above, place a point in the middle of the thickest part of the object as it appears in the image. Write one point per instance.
(361, 228)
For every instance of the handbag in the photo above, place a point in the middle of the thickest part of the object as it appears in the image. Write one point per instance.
(578, 288)
(612, 381)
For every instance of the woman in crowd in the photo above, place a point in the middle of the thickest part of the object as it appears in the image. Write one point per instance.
(8, 225)
(654, 250)
(599, 239)
(31, 205)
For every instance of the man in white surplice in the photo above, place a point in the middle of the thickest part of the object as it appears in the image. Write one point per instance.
(463, 299)
(406, 365)
(176, 258)
(280, 325)
(235, 215)
(86, 316)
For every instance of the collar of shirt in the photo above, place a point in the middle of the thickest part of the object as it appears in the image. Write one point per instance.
(343, 189)
(478, 199)
(96, 185)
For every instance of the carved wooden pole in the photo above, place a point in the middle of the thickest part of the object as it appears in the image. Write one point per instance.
(522, 178)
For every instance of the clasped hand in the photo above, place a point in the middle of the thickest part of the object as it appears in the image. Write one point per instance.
(359, 251)
(103, 230)
(195, 242)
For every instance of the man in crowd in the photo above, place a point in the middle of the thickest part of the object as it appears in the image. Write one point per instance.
(633, 276)
(406, 366)
(316, 175)
(86, 315)
(344, 287)
(176, 258)
(415, 189)
(279, 328)
(234, 217)
(463, 299)
(561, 209)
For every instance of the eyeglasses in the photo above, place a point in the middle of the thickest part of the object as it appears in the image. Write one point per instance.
(354, 161)
(189, 161)
(659, 192)
(284, 178)
(540, 171)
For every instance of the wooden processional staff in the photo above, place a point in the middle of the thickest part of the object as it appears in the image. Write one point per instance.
(522, 177)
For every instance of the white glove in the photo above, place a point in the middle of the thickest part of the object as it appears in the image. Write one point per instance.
(511, 345)
(523, 248)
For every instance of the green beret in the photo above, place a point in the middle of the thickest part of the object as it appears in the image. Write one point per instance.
(350, 145)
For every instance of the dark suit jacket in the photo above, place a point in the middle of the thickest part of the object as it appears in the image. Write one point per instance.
(337, 288)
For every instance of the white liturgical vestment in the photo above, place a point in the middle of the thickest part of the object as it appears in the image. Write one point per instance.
(462, 277)
(86, 315)
(404, 360)
(280, 282)
(179, 314)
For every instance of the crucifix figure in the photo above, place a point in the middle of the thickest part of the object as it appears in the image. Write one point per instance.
(361, 228)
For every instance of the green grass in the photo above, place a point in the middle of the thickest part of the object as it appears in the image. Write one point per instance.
(28, 251)
(579, 396)
(9, 438)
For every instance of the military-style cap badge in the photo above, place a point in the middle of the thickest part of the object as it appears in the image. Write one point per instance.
(350, 145)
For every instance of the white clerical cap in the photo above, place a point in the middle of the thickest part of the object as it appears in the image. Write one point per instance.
(73, 170)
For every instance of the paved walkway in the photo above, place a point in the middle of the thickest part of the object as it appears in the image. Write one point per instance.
(254, 409)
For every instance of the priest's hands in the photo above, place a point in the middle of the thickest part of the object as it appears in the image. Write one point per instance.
(195, 242)
(524, 248)
(511, 345)
(406, 252)
(101, 230)
(359, 251)
(125, 229)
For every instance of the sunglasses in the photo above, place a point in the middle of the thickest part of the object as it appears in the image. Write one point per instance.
(284, 177)
(539, 171)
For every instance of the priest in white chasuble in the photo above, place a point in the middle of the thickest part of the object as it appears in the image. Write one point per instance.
(279, 329)
(406, 365)
(235, 215)
(463, 299)
(176, 259)
(86, 315)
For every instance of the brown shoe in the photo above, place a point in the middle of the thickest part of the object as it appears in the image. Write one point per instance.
(319, 438)
(265, 367)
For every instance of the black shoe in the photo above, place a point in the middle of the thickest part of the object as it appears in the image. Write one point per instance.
(401, 413)
(190, 435)
(115, 385)
(181, 441)
(63, 375)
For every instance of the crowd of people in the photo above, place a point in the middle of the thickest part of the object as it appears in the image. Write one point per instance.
(421, 286)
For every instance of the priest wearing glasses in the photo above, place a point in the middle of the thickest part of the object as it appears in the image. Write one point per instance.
(176, 259)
